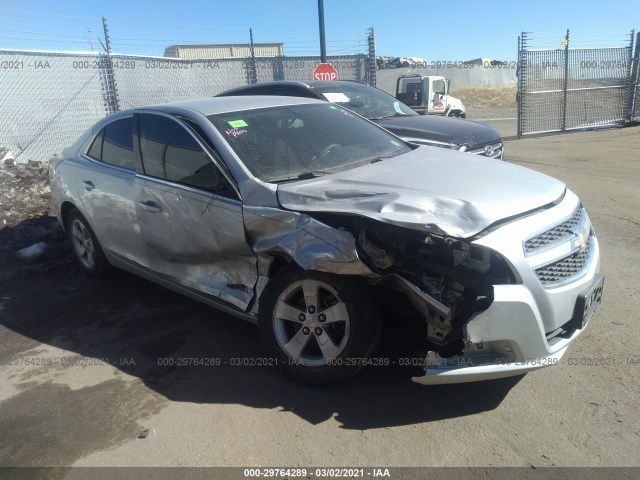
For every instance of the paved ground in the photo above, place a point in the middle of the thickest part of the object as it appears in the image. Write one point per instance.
(508, 127)
(79, 373)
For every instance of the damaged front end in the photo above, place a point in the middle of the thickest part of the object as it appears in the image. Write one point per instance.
(438, 281)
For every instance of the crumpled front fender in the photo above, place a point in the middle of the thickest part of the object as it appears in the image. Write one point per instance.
(308, 242)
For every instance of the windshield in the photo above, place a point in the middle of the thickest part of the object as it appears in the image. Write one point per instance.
(367, 101)
(294, 142)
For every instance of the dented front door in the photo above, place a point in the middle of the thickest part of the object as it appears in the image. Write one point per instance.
(190, 219)
(197, 240)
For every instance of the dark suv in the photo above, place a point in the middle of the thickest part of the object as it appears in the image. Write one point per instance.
(389, 113)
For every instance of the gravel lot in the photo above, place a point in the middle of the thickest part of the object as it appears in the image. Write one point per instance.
(80, 377)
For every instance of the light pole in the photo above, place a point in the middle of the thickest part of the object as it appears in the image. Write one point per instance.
(323, 46)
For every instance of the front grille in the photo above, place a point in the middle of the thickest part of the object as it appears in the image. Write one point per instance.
(568, 268)
(557, 234)
(491, 151)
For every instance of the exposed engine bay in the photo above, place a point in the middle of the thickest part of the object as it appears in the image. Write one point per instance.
(445, 279)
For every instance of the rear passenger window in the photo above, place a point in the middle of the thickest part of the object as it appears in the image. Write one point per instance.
(95, 151)
(117, 147)
(170, 152)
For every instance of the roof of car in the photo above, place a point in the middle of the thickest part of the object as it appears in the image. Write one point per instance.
(211, 106)
(307, 84)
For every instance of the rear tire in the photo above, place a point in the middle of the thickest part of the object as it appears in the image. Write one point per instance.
(322, 328)
(85, 246)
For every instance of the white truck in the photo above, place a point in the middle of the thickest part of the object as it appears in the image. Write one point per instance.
(428, 95)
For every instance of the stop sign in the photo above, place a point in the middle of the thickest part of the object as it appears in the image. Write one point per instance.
(325, 71)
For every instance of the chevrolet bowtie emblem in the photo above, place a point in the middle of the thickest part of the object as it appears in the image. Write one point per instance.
(581, 239)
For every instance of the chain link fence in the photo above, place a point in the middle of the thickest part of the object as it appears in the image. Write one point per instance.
(570, 88)
(47, 99)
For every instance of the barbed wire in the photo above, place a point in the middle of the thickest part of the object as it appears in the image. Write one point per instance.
(62, 32)
(555, 40)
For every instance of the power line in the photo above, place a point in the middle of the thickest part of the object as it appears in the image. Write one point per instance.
(181, 25)
(45, 34)
(51, 14)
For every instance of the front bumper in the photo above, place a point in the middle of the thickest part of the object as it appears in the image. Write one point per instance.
(528, 325)
(523, 345)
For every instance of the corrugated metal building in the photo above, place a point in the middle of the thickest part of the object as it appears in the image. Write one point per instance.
(225, 50)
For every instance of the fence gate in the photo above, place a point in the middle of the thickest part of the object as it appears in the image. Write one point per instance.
(566, 84)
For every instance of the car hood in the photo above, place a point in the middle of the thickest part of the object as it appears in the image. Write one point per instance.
(430, 189)
(442, 129)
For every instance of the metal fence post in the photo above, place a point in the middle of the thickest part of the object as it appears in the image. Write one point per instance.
(253, 72)
(520, 76)
(371, 60)
(565, 83)
(110, 90)
(278, 68)
(632, 99)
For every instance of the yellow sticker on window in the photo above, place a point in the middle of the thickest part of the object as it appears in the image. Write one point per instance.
(238, 123)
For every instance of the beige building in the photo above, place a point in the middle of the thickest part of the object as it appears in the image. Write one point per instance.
(225, 50)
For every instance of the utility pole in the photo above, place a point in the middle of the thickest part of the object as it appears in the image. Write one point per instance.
(323, 46)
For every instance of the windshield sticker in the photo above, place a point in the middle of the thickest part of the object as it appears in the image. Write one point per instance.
(396, 106)
(235, 132)
(238, 123)
(336, 97)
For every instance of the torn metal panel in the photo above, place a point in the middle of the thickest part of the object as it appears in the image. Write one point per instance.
(308, 242)
(428, 189)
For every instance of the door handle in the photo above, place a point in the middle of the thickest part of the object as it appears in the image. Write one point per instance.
(151, 206)
(88, 185)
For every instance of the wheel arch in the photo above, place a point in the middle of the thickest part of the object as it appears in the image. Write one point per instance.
(65, 210)
(455, 113)
(278, 262)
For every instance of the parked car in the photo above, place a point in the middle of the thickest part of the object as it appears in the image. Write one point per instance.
(310, 221)
(390, 113)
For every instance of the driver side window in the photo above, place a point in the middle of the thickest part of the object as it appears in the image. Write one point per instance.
(170, 152)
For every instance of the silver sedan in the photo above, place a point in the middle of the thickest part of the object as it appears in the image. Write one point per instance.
(316, 224)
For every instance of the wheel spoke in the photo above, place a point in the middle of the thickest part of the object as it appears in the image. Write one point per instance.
(310, 290)
(90, 258)
(284, 311)
(336, 313)
(82, 231)
(77, 233)
(295, 346)
(329, 349)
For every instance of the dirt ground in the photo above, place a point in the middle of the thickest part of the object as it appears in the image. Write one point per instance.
(83, 363)
(488, 101)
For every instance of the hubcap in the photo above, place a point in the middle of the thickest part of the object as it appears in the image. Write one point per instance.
(310, 322)
(82, 244)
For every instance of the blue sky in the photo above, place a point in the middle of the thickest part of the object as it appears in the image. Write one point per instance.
(436, 30)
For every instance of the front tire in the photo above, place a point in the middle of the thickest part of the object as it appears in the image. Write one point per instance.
(85, 246)
(321, 327)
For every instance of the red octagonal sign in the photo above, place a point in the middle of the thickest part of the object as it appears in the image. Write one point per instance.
(325, 71)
